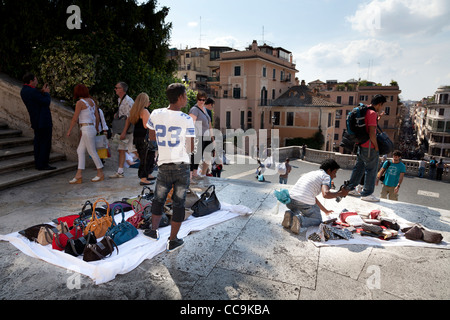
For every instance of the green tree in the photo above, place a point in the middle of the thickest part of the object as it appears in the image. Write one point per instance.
(141, 30)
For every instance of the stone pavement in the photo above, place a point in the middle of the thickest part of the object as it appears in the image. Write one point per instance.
(246, 258)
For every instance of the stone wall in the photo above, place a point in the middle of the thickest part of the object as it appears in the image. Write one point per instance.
(15, 114)
(347, 161)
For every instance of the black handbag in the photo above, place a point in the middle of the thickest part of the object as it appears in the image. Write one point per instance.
(76, 247)
(207, 204)
(385, 145)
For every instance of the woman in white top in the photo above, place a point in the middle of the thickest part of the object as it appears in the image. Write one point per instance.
(87, 115)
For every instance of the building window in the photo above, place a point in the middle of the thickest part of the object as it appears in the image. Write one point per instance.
(339, 99)
(228, 123)
(350, 100)
(242, 120)
(274, 75)
(264, 72)
(264, 96)
(387, 110)
(262, 120)
(236, 93)
(237, 71)
(441, 111)
(337, 124)
(276, 114)
(386, 124)
(290, 119)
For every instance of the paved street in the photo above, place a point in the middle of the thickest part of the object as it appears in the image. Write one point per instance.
(414, 190)
(247, 258)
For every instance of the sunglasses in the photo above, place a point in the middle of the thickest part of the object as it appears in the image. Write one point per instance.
(201, 100)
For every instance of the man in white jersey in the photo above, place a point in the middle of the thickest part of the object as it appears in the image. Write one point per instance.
(304, 206)
(175, 134)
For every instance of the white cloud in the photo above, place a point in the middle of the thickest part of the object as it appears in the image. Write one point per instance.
(401, 17)
(229, 41)
(350, 53)
(192, 24)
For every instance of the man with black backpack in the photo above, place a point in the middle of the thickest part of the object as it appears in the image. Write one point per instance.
(367, 153)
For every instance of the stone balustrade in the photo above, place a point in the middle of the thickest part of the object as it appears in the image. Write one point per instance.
(347, 161)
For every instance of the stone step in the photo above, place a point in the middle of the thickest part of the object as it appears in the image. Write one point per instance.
(23, 176)
(9, 133)
(25, 161)
(16, 152)
(6, 143)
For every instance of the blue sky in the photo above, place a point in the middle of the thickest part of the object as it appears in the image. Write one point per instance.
(378, 40)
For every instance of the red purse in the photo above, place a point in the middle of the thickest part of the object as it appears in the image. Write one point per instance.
(67, 219)
(138, 217)
(61, 239)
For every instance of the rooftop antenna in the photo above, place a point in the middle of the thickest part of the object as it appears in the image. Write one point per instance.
(359, 71)
(201, 35)
(263, 34)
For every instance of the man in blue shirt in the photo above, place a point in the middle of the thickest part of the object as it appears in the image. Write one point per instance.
(38, 106)
(394, 172)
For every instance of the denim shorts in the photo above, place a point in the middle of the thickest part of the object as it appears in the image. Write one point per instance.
(178, 177)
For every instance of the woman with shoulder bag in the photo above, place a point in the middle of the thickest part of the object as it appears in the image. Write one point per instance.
(204, 135)
(86, 113)
(143, 138)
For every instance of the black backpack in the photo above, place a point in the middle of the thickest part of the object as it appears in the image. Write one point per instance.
(356, 132)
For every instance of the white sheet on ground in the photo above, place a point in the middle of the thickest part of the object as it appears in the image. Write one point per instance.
(131, 254)
(400, 241)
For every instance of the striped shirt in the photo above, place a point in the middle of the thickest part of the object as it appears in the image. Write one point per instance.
(309, 186)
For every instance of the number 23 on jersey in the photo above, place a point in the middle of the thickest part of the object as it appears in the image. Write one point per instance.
(168, 136)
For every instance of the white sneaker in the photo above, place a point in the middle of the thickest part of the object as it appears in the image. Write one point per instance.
(354, 193)
(370, 198)
(117, 175)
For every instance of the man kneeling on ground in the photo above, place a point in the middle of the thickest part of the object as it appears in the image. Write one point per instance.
(304, 206)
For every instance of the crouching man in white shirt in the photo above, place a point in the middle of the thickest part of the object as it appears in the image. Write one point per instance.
(304, 206)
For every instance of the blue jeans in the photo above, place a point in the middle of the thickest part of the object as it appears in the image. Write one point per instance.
(421, 172)
(283, 180)
(309, 215)
(367, 162)
(178, 176)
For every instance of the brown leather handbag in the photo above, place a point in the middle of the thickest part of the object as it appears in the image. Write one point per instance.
(99, 226)
(100, 250)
